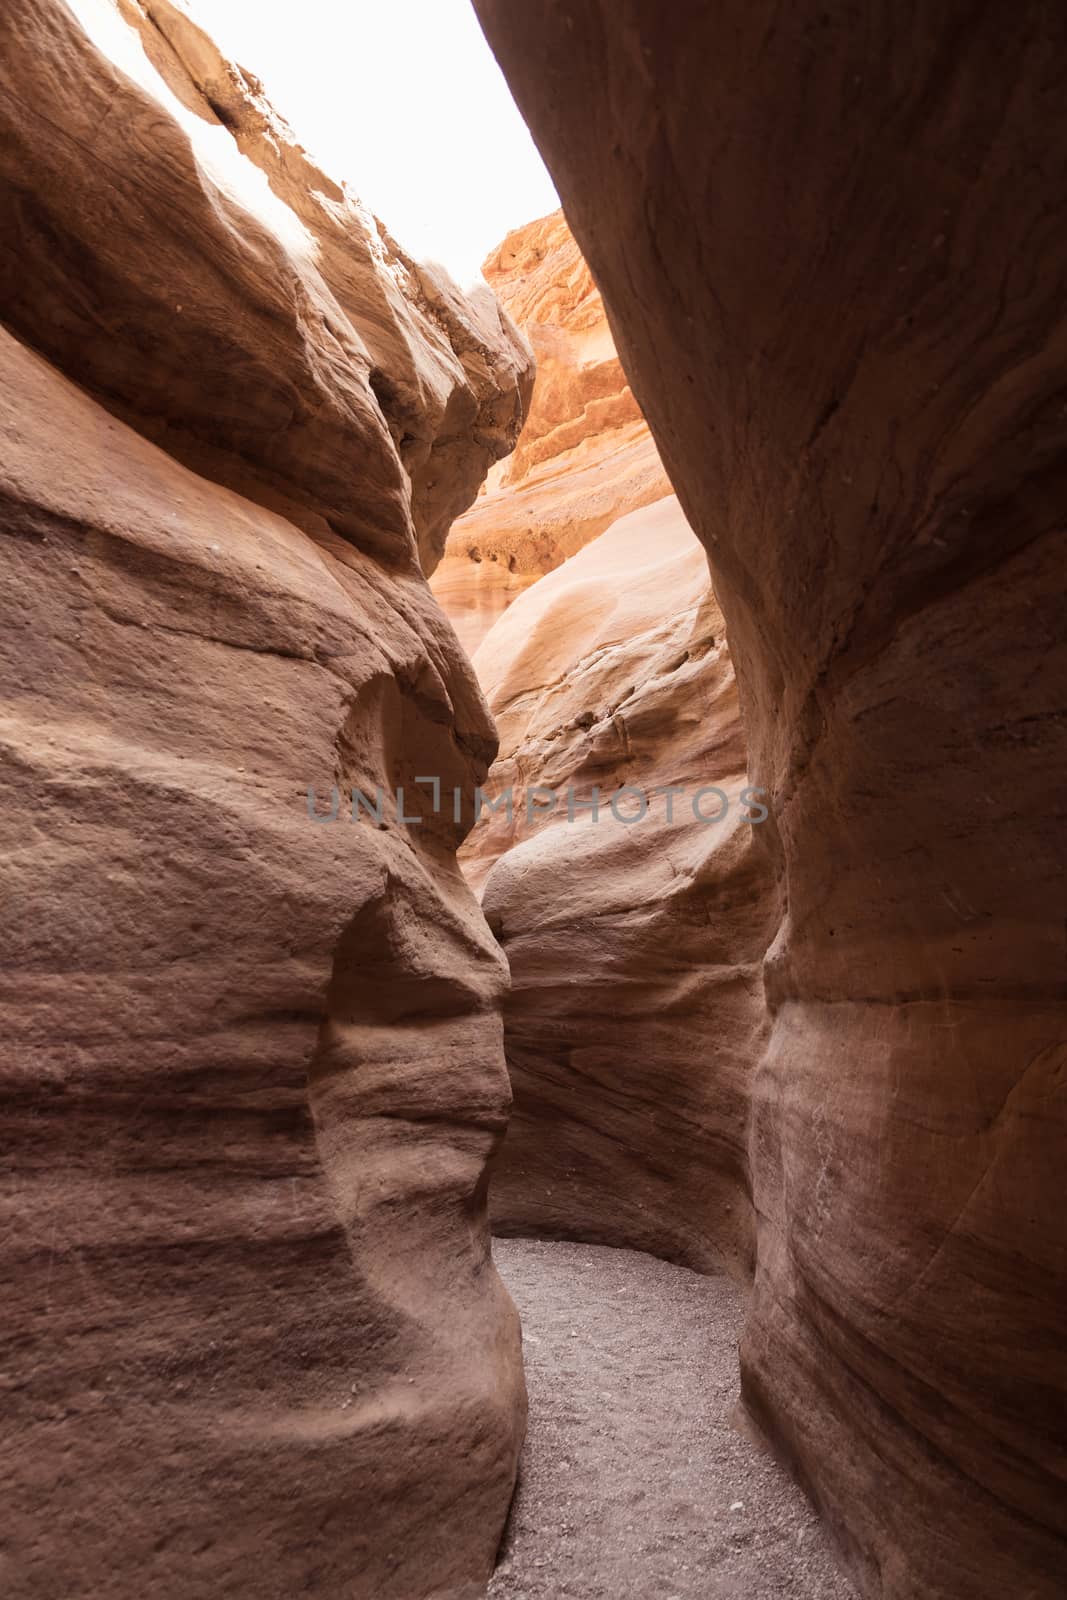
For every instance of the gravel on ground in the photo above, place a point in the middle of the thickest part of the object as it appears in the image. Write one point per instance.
(635, 1482)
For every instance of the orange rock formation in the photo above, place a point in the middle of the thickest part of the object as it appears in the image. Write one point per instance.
(584, 456)
(634, 925)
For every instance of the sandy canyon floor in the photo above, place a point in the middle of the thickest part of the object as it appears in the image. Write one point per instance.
(635, 1480)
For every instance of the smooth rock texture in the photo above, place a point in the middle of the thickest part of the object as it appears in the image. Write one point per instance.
(635, 942)
(252, 1072)
(834, 259)
(585, 455)
(261, 325)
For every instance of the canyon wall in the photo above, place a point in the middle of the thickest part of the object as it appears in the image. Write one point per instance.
(252, 1070)
(833, 258)
(634, 923)
(585, 455)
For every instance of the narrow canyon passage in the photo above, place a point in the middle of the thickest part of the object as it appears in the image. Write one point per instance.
(571, 749)
(635, 1480)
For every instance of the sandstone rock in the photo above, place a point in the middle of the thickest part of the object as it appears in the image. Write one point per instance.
(262, 326)
(252, 1073)
(636, 1005)
(834, 263)
(603, 671)
(585, 455)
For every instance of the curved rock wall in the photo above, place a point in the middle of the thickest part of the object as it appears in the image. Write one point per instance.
(240, 307)
(833, 253)
(585, 455)
(634, 933)
(252, 1073)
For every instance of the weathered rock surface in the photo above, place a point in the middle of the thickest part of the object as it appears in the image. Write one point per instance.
(252, 1070)
(585, 455)
(834, 260)
(635, 941)
(260, 324)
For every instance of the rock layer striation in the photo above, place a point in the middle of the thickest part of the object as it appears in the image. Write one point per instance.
(252, 1071)
(634, 910)
(585, 455)
(834, 263)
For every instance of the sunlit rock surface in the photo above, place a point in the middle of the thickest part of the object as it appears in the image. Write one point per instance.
(252, 1070)
(261, 323)
(635, 931)
(585, 455)
(834, 260)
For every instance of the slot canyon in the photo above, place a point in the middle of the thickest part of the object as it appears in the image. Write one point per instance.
(534, 846)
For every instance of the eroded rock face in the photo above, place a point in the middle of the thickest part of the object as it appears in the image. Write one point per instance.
(585, 455)
(634, 935)
(252, 1073)
(834, 263)
(264, 326)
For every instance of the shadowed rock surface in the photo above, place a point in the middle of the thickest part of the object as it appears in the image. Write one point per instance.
(585, 455)
(252, 1068)
(634, 940)
(833, 254)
